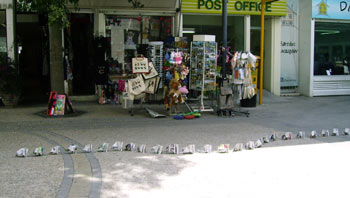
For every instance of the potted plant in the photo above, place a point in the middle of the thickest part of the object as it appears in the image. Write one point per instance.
(10, 86)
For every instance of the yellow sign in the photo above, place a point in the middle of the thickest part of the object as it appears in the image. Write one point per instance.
(237, 7)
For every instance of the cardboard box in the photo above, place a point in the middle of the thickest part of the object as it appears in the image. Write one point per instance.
(204, 38)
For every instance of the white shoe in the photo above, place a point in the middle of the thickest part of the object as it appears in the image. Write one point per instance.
(325, 133)
(103, 147)
(117, 146)
(238, 147)
(173, 149)
(142, 148)
(287, 136)
(55, 150)
(39, 151)
(250, 145)
(300, 135)
(87, 148)
(273, 137)
(223, 148)
(72, 148)
(157, 149)
(189, 149)
(258, 144)
(347, 131)
(335, 132)
(23, 152)
(266, 140)
(208, 148)
(130, 147)
(313, 134)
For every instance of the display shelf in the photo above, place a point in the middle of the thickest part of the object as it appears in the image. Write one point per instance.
(203, 69)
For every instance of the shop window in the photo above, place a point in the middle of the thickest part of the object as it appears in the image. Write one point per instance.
(129, 35)
(212, 25)
(332, 48)
(255, 28)
(3, 46)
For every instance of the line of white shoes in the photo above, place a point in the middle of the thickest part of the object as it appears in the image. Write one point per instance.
(174, 148)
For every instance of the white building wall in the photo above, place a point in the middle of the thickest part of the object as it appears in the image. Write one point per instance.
(306, 47)
(272, 63)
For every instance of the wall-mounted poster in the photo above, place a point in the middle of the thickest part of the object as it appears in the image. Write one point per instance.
(131, 39)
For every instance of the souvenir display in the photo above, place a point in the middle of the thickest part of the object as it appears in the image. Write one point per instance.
(203, 66)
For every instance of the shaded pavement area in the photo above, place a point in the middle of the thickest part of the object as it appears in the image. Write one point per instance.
(297, 166)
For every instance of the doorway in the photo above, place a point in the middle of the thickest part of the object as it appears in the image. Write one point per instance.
(79, 41)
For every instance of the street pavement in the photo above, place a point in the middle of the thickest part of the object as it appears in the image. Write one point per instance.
(293, 168)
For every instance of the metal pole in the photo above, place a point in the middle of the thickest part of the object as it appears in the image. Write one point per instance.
(262, 37)
(224, 37)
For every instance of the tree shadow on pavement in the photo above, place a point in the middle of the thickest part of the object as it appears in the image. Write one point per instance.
(125, 174)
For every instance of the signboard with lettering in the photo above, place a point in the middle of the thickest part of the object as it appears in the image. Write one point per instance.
(238, 7)
(335, 9)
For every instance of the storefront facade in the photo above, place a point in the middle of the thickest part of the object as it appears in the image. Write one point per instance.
(160, 18)
(325, 45)
(7, 28)
(204, 17)
(126, 30)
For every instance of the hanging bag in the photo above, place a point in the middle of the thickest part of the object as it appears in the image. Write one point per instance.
(152, 72)
(136, 85)
(140, 65)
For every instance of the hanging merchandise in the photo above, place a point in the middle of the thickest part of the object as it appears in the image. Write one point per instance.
(176, 80)
(152, 72)
(242, 64)
(136, 85)
(151, 85)
(140, 65)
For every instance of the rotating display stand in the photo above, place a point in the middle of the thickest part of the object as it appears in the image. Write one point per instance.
(203, 70)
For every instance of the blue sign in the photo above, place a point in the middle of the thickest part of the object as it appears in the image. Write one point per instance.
(331, 9)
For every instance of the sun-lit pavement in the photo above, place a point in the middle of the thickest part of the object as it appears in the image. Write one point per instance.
(318, 170)
(297, 168)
